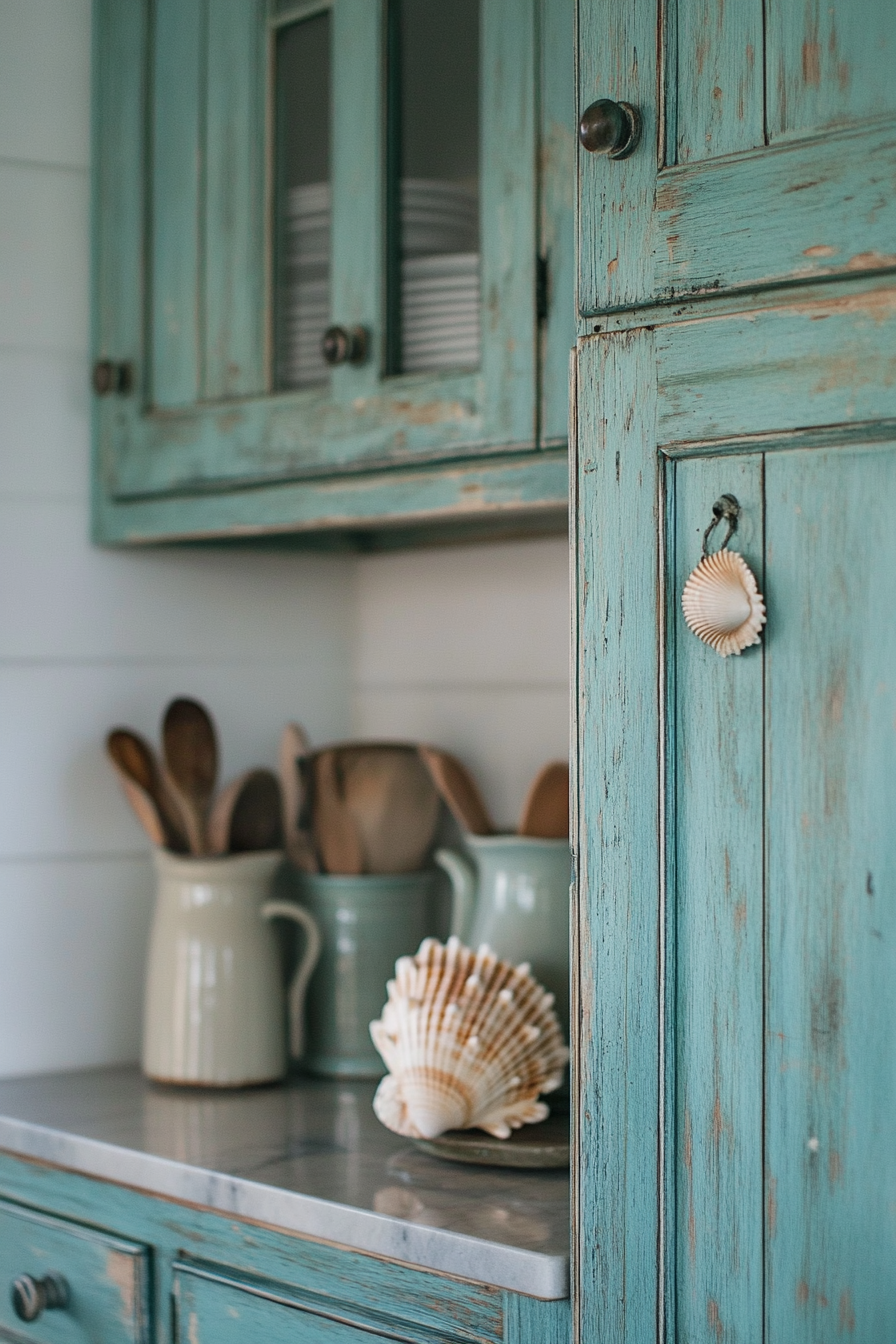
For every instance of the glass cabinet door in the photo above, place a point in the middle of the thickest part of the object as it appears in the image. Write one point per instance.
(318, 236)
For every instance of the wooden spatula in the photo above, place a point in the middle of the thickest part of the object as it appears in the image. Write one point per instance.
(393, 801)
(459, 790)
(298, 842)
(335, 833)
(546, 810)
(141, 777)
(190, 749)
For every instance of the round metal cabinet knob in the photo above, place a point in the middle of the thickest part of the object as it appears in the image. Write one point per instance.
(110, 375)
(610, 128)
(32, 1297)
(341, 345)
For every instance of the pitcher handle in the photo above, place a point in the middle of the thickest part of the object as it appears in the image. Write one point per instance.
(307, 963)
(463, 889)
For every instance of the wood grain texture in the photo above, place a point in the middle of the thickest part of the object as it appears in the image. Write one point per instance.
(508, 168)
(360, 1289)
(828, 64)
(506, 493)
(108, 1278)
(615, 1277)
(528, 1321)
(357, 292)
(822, 361)
(617, 58)
(792, 212)
(234, 284)
(716, 1028)
(831, 772)
(177, 156)
(718, 78)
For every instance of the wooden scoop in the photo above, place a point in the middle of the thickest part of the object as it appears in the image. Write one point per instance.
(393, 802)
(190, 748)
(335, 832)
(256, 821)
(298, 842)
(141, 777)
(546, 809)
(459, 790)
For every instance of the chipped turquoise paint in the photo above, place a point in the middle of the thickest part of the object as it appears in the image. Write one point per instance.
(214, 1279)
(192, 450)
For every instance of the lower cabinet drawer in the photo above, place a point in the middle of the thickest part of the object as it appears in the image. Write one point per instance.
(82, 1286)
(212, 1308)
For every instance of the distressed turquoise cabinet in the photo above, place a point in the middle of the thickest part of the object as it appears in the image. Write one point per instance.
(735, 847)
(196, 433)
(145, 1270)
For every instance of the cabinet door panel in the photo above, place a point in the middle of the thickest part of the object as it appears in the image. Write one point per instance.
(831, 782)
(771, 159)
(716, 931)
(764, 865)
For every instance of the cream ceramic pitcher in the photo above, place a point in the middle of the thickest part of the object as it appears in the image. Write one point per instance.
(214, 1012)
(517, 901)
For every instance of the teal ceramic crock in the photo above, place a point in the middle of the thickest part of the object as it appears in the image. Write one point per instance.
(366, 923)
(517, 901)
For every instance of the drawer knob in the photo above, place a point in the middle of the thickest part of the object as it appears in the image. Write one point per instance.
(610, 128)
(340, 345)
(31, 1297)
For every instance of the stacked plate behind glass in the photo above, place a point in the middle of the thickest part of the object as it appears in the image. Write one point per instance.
(439, 276)
(439, 279)
(307, 312)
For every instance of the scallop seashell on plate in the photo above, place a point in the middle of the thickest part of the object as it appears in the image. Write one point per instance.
(722, 603)
(470, 1042)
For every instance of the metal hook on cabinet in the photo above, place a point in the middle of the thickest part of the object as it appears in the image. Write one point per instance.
(727, 507)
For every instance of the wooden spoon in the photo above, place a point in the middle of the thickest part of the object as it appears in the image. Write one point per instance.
(297, 839)
(394, 804)
(255, 820)
(546, 809)
(190, 748)
(459, 790)
(140, 774)
(221, 815)
(335, 833)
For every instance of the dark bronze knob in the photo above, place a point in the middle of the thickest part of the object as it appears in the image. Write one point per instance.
(111, 375)
(31, 1297)
(341, 345)
(610, 128)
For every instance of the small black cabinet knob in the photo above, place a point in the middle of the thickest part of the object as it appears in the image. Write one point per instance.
(32, 1297)
(610, 128)
(341, 345)
(111, 375)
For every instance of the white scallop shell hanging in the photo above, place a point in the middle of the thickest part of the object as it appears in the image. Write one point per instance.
(722, 603)
(469, 1041)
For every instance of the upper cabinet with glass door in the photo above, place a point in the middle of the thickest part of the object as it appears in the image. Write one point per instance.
(333, 265)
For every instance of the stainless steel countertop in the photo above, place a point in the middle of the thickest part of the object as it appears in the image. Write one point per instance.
(309, 1157)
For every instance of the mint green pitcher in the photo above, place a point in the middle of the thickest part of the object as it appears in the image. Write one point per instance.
(517, 901)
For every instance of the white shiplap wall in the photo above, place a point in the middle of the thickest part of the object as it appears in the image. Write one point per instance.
(87, 637)
(466, 647)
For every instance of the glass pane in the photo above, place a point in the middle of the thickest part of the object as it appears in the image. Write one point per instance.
(434, 185)
(302, 292)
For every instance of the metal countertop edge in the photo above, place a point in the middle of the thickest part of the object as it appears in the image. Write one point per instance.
(472, 1258)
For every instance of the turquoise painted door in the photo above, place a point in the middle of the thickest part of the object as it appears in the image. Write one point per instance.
(735, 1172)
(767, 157)
(187, 264)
